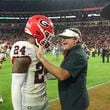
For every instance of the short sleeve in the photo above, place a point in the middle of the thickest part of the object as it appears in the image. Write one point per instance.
(74, 64)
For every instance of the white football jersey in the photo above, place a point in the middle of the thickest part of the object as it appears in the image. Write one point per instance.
(34, 88)
(2, 52)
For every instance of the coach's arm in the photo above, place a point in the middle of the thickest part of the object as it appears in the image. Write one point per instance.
(59, 72)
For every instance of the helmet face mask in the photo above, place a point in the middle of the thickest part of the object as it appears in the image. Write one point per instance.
(46, 42)
(41, 28)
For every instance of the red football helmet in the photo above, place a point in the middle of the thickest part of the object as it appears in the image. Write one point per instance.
(40, 27)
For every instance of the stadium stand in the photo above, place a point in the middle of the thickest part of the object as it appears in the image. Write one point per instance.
(82, 14)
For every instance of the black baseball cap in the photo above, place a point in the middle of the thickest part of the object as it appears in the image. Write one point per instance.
(105, 12)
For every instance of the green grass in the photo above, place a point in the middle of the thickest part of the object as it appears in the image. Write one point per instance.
(98, 72)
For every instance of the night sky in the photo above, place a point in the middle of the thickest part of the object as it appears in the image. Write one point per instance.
(48, 5)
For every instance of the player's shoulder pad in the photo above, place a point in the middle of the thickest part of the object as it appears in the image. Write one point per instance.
(22, 48)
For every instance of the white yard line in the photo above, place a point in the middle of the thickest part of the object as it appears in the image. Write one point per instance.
(92, 87)
(53, 100)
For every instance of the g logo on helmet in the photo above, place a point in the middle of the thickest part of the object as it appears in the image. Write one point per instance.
(44, 23)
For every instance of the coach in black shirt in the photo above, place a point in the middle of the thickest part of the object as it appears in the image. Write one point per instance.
(72, 73)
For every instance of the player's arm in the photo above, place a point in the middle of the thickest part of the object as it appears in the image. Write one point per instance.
(19, 69)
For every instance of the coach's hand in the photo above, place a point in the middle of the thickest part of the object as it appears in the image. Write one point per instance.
(40, 52)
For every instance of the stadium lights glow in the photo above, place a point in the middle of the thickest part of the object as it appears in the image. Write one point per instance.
(55, 17)
(13, 18)
(9, 18)
(59, 17)
(70, 16)
(89, 15)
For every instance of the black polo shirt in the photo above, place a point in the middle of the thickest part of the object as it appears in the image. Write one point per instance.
(72, 91)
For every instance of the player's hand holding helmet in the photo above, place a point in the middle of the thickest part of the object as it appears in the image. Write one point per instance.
(40, 27)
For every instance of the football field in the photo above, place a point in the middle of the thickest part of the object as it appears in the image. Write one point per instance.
(98, 73)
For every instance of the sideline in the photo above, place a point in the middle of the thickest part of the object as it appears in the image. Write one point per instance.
(98, 85)
(92, 87)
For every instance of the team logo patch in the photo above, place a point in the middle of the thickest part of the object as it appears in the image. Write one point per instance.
(44, 23)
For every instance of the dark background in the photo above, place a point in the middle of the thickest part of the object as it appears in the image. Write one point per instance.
(48, 5)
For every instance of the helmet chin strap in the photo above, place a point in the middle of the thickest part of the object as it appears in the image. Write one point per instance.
(37, 44)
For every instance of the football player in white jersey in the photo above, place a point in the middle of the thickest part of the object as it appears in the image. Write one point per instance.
(2, 54)
(28, 81)
(1, 62)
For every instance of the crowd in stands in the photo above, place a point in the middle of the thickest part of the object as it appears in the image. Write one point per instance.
(11, 33)
(94, 37)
